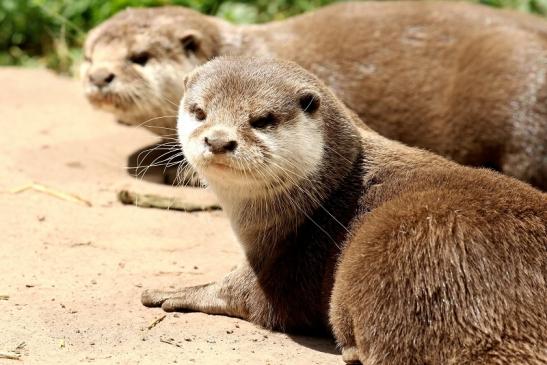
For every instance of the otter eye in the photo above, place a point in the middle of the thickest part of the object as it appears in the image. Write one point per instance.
(309, 102)
(140, 58)
(263, 122)
(199, 113)
(189, 44)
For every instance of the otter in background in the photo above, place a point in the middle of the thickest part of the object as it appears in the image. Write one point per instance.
(417, 259)
(462, 80)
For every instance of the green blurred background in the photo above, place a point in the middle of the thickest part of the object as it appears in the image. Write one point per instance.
(51, 32)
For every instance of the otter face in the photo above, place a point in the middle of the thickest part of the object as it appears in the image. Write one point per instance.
(245, 125)
(134, 67)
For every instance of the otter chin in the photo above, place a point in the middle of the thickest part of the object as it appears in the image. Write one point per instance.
(406, 257)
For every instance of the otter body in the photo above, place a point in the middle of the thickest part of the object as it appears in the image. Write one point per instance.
(462, 80)
(449, 267)
(407, 257)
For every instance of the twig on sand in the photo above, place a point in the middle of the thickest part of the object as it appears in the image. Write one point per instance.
(9, 355)
(162, 202)
(156, 321)
(78, 244)
(4, 297)
(170, 341)
(15, 354)
(53, 192)
(20, 347)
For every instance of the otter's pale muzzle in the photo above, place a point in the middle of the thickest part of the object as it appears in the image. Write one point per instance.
(219, 142)
(101, 77)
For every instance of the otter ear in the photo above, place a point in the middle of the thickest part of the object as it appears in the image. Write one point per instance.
(188, 80)
(191, 41)
(309, 101)
(185, 84)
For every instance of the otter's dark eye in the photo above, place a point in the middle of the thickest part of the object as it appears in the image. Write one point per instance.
(309, 102)
(263, 122)
(199, 113)
(189, 44)
(140, 58)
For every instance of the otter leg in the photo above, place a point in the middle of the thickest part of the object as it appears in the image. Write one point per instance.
(342, 326)
(350, 355)
(226, 297)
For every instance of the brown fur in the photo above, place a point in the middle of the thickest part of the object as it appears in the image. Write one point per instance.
(458, 79)
(455, 258)
(423, 261)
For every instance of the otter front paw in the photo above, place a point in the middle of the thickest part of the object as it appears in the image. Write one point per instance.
(155, 298)
(174, 304)
(350, 355)
(171, 301)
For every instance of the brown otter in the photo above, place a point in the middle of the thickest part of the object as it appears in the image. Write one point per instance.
(462, 80)
(427, 261)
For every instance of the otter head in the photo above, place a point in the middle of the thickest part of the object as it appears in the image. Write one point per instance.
(135, 63)
(260, 127)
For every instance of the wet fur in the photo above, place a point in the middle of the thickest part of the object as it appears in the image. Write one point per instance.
(462, 80)
(409, 258)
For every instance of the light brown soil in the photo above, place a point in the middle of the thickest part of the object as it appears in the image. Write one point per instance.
(74, 274)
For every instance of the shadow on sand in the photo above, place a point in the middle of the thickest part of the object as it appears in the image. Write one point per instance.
(149, 163)
(321, 344)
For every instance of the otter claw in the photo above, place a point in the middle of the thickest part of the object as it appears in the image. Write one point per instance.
(172, 305)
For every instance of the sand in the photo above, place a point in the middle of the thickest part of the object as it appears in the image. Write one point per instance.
(71, 275)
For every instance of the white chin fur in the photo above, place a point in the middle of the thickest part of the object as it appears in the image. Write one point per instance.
(296, 149)
(186, 124)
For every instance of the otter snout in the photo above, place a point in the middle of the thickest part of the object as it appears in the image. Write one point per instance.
(101, 77)
(219, 143)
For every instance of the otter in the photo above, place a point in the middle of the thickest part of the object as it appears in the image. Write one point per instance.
(407, 257)
(462, 80)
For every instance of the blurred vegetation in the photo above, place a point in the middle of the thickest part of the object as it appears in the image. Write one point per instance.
(51, 32)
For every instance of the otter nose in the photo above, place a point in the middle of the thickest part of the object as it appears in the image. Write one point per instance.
(101, 77)
(218, 145)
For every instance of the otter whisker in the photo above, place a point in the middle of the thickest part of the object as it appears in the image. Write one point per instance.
(303, 211)
(144, 124)
(315, 200)
(156, 163)
(150, 150)
(168, 162)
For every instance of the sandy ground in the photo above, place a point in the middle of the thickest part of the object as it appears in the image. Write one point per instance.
(71, 275)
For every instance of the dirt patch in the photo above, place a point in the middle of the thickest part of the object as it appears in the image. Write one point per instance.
(72, 274)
